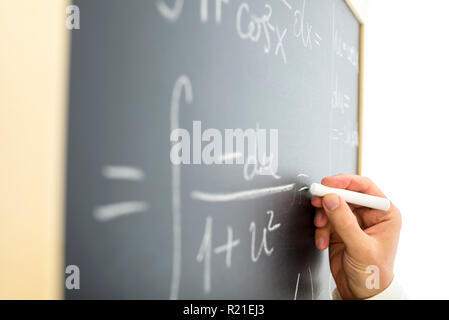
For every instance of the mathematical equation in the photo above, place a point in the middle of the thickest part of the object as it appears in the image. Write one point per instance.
(254, 26)
(208, 249)
(257, 26)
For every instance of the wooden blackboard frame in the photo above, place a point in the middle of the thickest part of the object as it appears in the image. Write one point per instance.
(361, 81)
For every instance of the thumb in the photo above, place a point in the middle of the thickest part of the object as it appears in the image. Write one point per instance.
(344, 221)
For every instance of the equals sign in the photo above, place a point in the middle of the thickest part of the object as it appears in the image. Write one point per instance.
(317, 39)
(346, 101)
(123, 173)
(115, 210)
(336, 134)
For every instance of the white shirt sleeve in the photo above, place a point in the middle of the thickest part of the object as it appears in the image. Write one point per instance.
(393, 292)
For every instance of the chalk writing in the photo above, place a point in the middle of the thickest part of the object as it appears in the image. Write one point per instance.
(260, 26)
(228, 247)
(205, 252)
(340, 100)
(263, 247)
(171, 14)
(241, 195)
(114, 211)
(347, 137)
(204, 10)
(303, 30)
(182, 84)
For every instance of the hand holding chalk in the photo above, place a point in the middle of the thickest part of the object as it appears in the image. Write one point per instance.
(359, 239)
(360, 199)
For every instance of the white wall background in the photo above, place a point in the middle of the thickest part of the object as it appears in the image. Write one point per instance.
(406, 132)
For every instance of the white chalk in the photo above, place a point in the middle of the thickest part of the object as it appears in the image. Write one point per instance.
(360, 199)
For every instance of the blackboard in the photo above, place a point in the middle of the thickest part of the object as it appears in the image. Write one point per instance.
(148, 75)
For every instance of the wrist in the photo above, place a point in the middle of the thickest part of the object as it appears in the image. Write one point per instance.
(393, 292)
(375, 284)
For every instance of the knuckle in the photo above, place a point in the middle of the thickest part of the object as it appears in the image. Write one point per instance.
(368, 181)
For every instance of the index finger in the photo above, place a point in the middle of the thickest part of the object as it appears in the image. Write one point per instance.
(353, 183)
